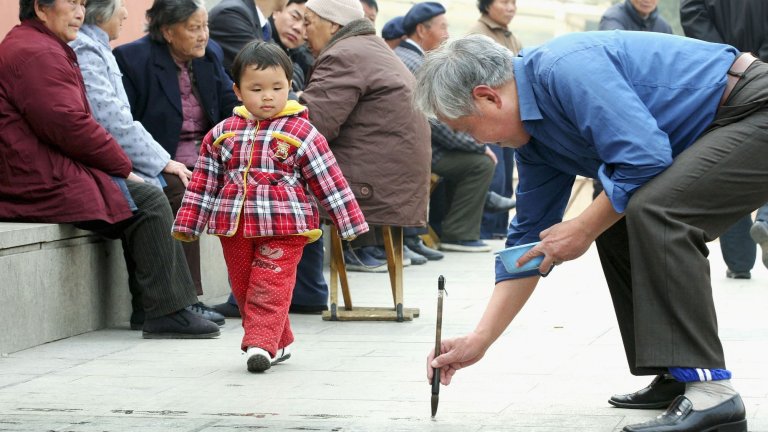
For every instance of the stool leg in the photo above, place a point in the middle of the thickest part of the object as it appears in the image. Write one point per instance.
(393, 245)
(338, 271)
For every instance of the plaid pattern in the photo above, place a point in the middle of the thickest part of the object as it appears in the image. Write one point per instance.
(443, 138)
(260, 171)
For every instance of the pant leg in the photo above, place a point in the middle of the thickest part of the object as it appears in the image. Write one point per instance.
(738, 249)
(467, 177)
(721, 178)
(311, 288)
(262, 271)
(613, 249)
(160, 271)
(495, 225)
(174, 191)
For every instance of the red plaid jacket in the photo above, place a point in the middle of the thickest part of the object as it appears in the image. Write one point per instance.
(259, 170)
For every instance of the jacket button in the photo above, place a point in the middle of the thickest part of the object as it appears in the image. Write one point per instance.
(364, 190)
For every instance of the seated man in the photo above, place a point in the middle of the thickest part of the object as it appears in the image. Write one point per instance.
(465, 165)
(60, 166)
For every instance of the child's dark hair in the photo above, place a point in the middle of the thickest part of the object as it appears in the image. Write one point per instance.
(262, 55)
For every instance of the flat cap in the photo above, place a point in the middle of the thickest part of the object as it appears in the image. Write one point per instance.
(419, 13)
(393, 29)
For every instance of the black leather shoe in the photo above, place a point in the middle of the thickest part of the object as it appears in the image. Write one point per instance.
(203, 311)
(180, 325)
(227, 309)
(495, 203)
(417, 245)
(728, 416)
(659, 394)
(137, 319)
(307, 309)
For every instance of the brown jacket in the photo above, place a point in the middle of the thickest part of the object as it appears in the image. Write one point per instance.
(359, 97)
(497, 32)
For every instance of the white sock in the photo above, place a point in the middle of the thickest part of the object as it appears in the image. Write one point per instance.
(706, 394)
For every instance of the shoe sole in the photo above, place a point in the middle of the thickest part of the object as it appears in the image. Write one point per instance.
(656, 405)
(759, 234)
(459, 248)
(258, 363)
(739, 426)
(380, 269)
(150, 335)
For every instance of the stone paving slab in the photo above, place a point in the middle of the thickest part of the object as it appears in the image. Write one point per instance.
(551, 371)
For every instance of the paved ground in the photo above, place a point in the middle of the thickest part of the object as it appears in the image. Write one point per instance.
(552, 370)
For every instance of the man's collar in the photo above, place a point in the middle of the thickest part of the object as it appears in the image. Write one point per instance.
(636, 16)
(262, 19)
(529, 110)
(415, 44)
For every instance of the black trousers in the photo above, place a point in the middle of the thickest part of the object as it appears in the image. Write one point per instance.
(155, 261)
(655, 259)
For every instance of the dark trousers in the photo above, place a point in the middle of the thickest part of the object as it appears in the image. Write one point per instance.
(494, 225)
(655, 259)
(466, 177)
(174, 191)
(155, 261)
(738, 249)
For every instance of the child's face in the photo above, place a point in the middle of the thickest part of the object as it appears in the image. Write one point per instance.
(263, 92)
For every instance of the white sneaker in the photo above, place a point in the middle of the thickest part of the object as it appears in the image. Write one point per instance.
(258, 359)
(282, 355)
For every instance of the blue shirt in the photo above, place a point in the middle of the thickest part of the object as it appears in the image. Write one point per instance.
(618, 106)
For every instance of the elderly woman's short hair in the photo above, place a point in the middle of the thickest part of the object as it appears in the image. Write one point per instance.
(168, 12)
(483, 5)
(27, 8)
(445, 81)
(100, 11)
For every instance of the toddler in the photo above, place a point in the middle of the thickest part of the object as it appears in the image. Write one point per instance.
(251, 186)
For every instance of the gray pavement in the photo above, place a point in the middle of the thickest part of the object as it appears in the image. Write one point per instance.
(552, 370)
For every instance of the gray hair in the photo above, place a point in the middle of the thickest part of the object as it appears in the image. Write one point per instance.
(445, 81)
(168, 12)
(98, 12)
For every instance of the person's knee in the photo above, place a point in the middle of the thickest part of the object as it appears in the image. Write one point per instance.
(147, 196)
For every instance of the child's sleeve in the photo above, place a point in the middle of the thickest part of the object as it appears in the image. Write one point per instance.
(202, 190)
(327, 182)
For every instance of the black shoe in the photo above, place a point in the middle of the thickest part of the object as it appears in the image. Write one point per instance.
(417, 245)
(203, 311)
(307, 309)
(227, 309)
(659, 394)
(728, 416)
(180, 325)
(495, 203)
(137, 319)
(738, 275)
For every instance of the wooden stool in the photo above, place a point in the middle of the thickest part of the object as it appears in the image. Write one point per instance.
(393, 245)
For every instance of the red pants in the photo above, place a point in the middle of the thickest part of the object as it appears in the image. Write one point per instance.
(262, 271)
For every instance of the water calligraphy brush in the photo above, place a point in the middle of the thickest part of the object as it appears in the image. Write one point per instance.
(438, 330)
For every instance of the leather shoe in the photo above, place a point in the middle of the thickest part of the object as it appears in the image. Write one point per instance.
(180, 325)
(659, 394)
(728, 416)
(307, 309)
(203, 311)
(417, 245)
(227, 309)
(495, 203)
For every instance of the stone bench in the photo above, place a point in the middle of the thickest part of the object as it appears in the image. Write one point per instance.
(57, 281)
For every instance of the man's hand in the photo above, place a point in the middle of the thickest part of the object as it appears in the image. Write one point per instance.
(492, 155)
(133, 177)
(457, 353)
(179, 169)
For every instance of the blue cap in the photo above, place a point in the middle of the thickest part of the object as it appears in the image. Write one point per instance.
(419, 13)
(393, 29)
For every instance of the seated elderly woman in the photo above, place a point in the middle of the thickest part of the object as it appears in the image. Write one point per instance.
(177, 89)
(106, 94)
(59, 165)
(359, 97)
